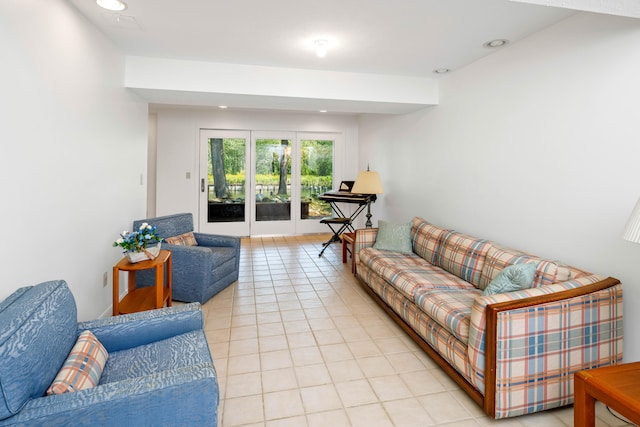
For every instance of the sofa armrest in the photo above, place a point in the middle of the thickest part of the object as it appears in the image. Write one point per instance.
(530, 342)
(135, 329)
(365, 238)
(187, 395)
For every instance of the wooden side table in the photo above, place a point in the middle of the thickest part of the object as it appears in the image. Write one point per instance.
(616, 386)
(146, 298)
(348, 240)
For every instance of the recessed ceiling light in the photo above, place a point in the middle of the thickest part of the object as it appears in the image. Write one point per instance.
(323, 111)
(224, 107)
(442, 70)
(321, 47)
(114, 5)
(495, 43)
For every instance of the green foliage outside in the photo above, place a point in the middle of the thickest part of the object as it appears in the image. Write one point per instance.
(316, 167)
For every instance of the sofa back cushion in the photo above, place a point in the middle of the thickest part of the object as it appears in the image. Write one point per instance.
(426, 239)
(547, 272)
(463, 256)
(38, 330)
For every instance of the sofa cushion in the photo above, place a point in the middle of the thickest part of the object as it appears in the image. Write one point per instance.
(451, 308)
(38, 330)
(409, 273)
(515, 277)
(83, 366)
(547, 272)
(463, 256)
(180, 351)
(394, 237)
(426, 238)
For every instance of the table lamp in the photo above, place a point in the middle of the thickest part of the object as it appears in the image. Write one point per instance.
(632, 229)
(368, 182)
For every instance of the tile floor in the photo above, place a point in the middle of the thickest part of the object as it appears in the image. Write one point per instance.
(297, 343)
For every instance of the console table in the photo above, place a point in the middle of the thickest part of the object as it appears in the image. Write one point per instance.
(147, 298)
(616, 386)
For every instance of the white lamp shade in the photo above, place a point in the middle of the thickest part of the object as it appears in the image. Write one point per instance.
(367, 182)
(632, 230)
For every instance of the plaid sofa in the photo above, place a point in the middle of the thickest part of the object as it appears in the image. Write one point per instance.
(514, 353)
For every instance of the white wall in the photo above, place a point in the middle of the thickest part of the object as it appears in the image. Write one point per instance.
(178, 142)
(536, 147)
(73, 149)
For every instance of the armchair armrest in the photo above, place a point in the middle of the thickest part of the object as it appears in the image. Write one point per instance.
(188, 394)
(213, 240)
(529, 343)
(135, 329)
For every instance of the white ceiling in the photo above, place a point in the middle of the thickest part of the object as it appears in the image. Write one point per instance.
(389, 37)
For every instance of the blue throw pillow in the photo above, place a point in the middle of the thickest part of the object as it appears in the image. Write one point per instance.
(394, 237)
(512, 278)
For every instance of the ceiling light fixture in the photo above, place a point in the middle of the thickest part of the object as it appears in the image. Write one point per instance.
(114, 5)
(321, 47)
(223, 107)
(323, 111)
(442, 70)
(495, 43)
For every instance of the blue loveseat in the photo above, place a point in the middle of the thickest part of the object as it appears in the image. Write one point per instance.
(159, 371)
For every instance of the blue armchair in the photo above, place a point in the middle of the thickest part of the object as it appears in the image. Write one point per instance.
(199, 272)
(159, 371)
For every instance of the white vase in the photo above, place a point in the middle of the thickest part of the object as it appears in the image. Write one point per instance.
(151, 253)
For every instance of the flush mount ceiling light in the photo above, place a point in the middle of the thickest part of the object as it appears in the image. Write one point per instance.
(114, 5)
(442, 70)
(321, 46)
(495, 43)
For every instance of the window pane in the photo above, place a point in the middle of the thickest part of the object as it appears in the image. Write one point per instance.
(273, 179)
(226, 180)
(316, 177)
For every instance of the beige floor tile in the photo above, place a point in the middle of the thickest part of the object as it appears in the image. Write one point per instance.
(356, 393)
(273, 343)
(242, 410)
(328, 336)
(299, 421)
(336, 352)
(345, 370)
(302, 339)
(376, 366)
(276, 360)
(320, 398)
(390, 388)
(242, 347)
(369, 416)
(279, 379)
(337, 418)
(306, 356)
(444, 408)
(422, 382)
(282, 404)
(408, 413)
(311, 375)
(243, 385)
(243, 364)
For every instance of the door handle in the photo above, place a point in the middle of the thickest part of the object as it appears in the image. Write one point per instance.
(202, 185)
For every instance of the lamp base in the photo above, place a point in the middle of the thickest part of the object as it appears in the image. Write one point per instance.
(368, 224)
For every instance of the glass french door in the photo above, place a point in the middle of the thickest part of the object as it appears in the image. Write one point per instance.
(264, 183)
(224, 182)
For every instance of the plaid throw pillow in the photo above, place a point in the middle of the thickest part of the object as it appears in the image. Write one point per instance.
(83, 366)
(186, 239)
